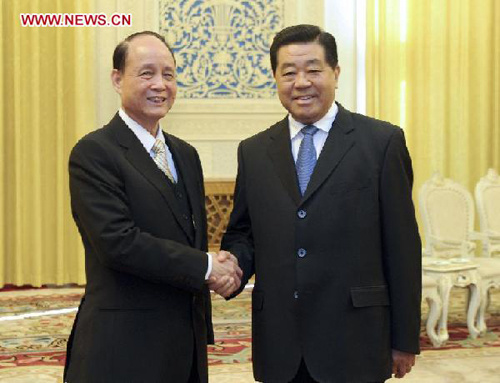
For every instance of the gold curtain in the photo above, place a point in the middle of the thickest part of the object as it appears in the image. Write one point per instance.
(433, 67)
(46, 104)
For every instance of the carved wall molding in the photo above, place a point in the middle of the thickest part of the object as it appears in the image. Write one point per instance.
(227, 107)
(216, 128)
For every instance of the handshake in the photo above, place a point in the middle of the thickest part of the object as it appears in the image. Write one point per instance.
(226, 275)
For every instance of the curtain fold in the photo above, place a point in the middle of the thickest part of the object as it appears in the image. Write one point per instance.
(433, 67)
(46, 105)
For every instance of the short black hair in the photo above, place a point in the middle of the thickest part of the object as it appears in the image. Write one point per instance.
(304, 33)
(121, 50)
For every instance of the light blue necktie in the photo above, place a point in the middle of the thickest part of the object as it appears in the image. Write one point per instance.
(306, 159)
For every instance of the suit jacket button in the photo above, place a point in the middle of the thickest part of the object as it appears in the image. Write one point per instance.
(301, 214)
(185, 216)
(301, 253)
(296, 294)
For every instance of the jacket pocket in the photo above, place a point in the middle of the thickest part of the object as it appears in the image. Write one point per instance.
(257, 300)
(348, 187)
(367, 296)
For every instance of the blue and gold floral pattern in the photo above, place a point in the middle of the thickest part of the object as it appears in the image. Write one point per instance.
(222, 46)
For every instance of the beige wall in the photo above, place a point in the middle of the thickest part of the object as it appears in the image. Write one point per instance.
(214, 127)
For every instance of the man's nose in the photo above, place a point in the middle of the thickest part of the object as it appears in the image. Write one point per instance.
(158, 82)
(302, 80)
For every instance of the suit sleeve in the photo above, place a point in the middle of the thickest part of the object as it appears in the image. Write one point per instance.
(401, 245)
(206, 291)
(238, 238)
(102, 211)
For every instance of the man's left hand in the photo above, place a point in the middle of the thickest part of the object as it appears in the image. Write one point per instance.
(402, 362)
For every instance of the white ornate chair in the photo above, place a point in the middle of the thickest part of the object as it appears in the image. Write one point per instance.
(487, 194)
(447, 211)
(431, 295)
(488, 207)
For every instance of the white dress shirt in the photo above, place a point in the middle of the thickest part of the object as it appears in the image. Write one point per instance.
(324, 125)
(147, 140)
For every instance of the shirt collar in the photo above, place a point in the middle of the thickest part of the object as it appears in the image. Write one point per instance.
(147, 140)
(324, 124)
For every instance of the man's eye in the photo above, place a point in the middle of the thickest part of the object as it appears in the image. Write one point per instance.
(288, 74)
(146, 73)
(168, 76)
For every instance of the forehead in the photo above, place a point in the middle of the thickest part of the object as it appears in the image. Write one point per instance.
(144, 50)
(297, 53)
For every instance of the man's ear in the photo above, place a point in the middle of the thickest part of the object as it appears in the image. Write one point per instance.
(116, 79)
(336, 73)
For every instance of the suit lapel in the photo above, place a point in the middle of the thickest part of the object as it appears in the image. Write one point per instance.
(142, 161)
(280, 153)
(338, 143)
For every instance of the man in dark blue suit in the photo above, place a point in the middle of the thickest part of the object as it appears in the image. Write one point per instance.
(323, 216)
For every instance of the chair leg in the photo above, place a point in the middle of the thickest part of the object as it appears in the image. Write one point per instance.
(474, 303)
(481, 322)
(434, 313)
(445, 285)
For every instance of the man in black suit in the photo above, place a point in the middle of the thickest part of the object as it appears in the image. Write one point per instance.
(323, 216)
(138, 200)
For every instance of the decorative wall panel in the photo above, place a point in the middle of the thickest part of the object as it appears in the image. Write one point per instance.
(219, 204)
(213, 118)
(222, 46)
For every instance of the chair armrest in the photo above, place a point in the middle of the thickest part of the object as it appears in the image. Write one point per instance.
(493, 235)
(476, 236)
(451, 244)
(445, 242)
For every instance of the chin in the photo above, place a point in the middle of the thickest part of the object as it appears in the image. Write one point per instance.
(303, 115)
(159, 113)
(305, 119)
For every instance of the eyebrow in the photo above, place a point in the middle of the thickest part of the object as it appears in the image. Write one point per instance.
(153, 66)
(308, 62)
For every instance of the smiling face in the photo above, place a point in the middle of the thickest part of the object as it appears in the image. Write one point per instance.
(147, 84)
(306, 83)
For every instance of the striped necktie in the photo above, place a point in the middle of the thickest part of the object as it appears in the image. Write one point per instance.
(160, 158)
(306, 159)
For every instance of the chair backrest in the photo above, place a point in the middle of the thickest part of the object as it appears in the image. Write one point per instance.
(488, 202)
(447, 211)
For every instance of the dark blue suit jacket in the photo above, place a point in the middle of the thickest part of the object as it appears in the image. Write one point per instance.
(354, 291)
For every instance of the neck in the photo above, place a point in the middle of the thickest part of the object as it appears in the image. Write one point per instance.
(152, 130)
(150, 125)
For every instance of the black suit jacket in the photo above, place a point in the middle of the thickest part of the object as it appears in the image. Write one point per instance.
(355, 294)
(146, 308)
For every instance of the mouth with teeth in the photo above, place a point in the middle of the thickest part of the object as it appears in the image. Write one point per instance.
(157, 99)
(304, 99)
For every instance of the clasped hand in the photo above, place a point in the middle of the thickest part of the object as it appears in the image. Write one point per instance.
(226, 275)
